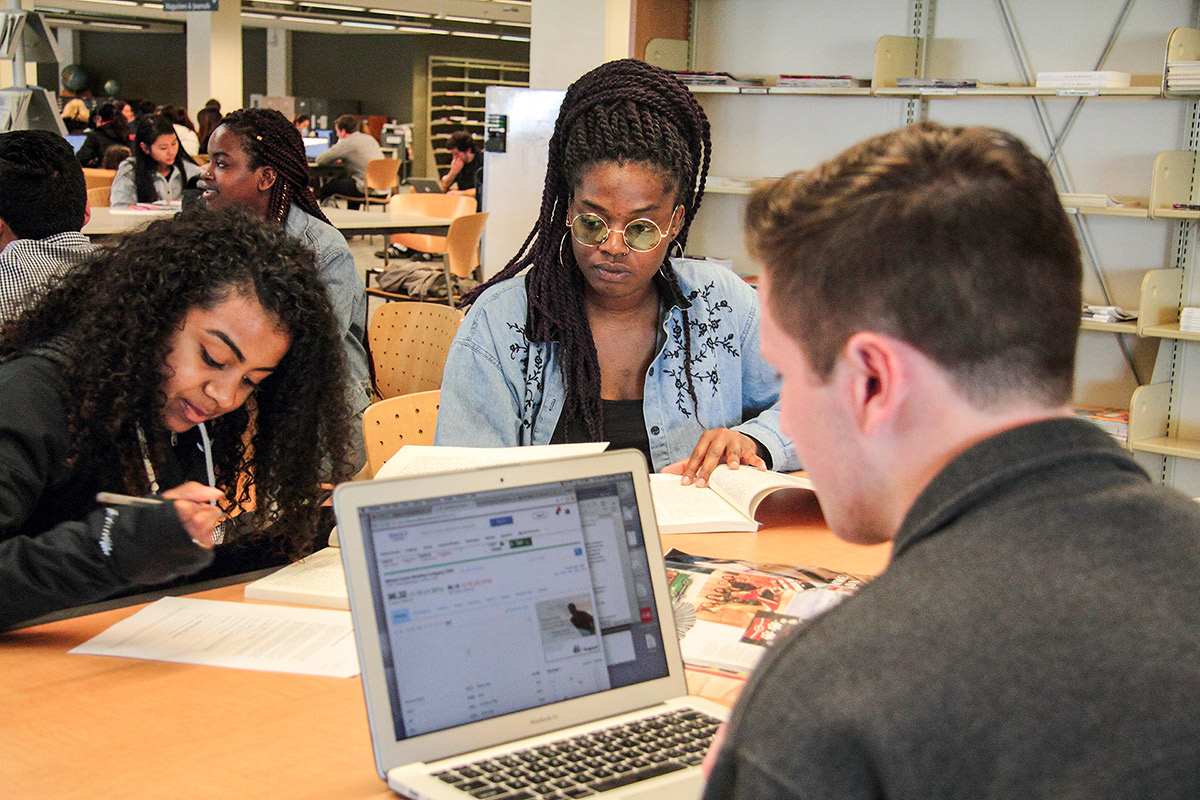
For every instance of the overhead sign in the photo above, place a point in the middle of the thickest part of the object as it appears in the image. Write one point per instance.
(189, 5)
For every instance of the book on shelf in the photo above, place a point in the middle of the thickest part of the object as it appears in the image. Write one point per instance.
(1084, 79)
(316, 580)
(1083, 200)
(936, 83)
(1183, 75)
(689, 78)
(821, 82)
(727, 503)
(1095, 313)
(1189, 319)
(1114, 421)
(728, 612)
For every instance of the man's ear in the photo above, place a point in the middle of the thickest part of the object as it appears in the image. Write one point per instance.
(876, 379)
(266, 178)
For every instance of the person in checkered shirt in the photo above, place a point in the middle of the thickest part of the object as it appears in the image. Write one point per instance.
(43, 208)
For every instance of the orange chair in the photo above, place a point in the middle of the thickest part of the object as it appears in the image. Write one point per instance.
(383, 180)
(429, 205)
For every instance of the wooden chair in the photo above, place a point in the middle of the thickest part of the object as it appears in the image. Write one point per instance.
(408, 344)
(460, 258)
(430, 205)
(98, 197)
(383, 181)
(95, 177)
(392, 423)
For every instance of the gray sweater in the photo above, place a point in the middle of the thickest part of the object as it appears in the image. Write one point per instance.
(1037, 635)
(354, 151)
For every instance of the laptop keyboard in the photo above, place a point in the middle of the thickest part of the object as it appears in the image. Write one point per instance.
(593, 762)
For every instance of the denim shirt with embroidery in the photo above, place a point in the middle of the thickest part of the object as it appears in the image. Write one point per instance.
(499, 389)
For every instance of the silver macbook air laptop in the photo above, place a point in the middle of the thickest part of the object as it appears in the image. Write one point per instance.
(515, 633)
(424, 185)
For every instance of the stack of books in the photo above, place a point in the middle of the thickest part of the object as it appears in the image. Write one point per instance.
(820, 81)
(1183, 76)
(1091, 79)
(1107, 313)
(1189, 319)
(715, 79)
(1082, 200)
(1114, 421)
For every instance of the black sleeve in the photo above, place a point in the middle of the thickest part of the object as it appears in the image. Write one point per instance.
(101, 553)
(89, 154)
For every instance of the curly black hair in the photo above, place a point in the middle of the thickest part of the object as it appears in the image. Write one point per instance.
(270, 139)
(113, 317)
(624, 111)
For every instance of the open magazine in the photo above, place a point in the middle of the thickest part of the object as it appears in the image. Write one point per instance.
(728, 502)
(727, 613)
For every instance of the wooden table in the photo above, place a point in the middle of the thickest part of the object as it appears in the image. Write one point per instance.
(351, 223)
(99, 727)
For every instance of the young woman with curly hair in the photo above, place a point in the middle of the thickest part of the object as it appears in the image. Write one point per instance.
(257, 163)
(606, 337)
(131, 375)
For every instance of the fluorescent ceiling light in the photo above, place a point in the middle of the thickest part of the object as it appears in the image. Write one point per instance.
(475, 35)
(331, 6)
(258, 15)
(376, 25)
(115, 2)
(120, 26)
(393, 12)
(515, 38)
(312, 20)
(476, 20)
(275, 2)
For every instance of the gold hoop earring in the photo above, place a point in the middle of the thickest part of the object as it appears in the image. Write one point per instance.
(560, 250)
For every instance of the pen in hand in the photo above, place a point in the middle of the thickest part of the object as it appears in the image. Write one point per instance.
(114, 499)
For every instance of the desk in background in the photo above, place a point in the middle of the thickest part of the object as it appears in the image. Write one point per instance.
(97, 727)
(351, 223)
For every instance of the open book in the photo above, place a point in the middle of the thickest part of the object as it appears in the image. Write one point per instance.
(315, 580)
(728, 502)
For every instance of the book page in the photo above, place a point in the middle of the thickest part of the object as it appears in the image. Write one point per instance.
(317, 580)
(415, 459)
(746, 487)
(688, 509)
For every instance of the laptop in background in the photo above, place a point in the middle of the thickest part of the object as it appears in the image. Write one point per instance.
(502, 612)
(424, 185)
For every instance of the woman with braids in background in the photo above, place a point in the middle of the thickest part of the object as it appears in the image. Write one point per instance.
(257, 163)
(158, 168)
(606, 338)
(130, 375)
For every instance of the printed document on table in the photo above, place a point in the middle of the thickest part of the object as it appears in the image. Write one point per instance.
(186, 630)
(416, 459)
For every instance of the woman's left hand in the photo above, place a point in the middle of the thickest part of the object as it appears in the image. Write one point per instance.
(718, 446)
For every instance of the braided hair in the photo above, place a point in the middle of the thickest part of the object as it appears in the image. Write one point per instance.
(624, 111)
(270, 139)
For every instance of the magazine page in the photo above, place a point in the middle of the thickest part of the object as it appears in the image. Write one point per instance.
(745, 487)
(729, 612)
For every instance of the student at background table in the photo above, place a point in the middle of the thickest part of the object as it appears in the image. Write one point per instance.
(257, 163)
(111, 129)
(354, 149)
(43, 208)
(132, 376)
(159, 169)
(606, 337)
(1036, 634)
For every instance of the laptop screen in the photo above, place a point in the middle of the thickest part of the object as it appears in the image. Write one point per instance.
(499, 601)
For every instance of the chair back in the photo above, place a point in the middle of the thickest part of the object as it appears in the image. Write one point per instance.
(462, 243)
(408, 343)
(390, 424)
(383, 176)
(430, 205)
(98, 196)
(94, 177)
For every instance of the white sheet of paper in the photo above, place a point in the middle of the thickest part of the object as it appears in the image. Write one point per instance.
(187, 630)
(431, 459)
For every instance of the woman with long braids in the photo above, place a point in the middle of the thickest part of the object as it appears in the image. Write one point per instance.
(130, 375)
(606, 337)
(257, 163)
(158, 168)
